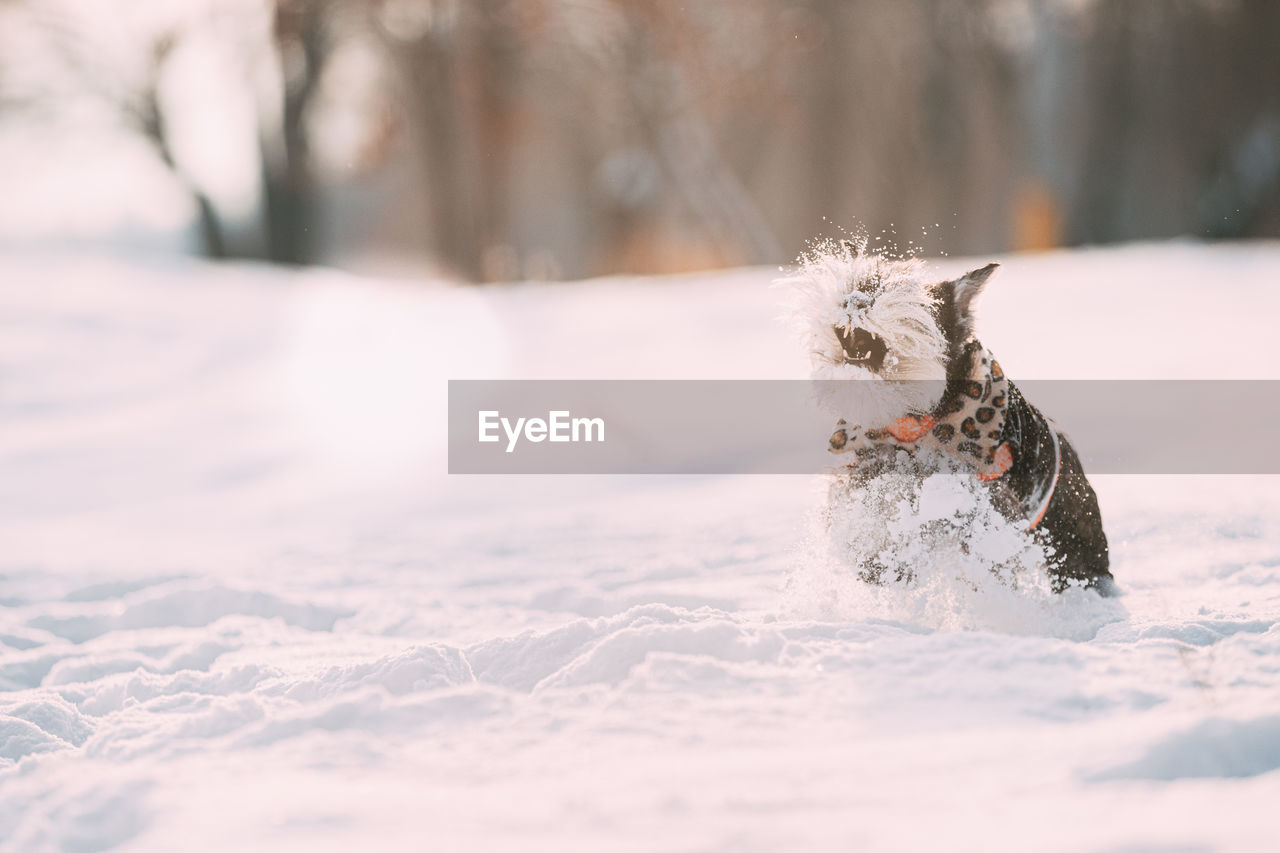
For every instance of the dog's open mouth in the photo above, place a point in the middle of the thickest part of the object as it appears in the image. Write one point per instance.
(862, 348)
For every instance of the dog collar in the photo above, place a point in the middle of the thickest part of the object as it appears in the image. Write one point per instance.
(1042, 506)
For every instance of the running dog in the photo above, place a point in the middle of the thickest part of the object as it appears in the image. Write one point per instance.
(927, 383)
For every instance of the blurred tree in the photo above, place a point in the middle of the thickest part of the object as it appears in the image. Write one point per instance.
(460, 64)
(487, 78)
(131, 90)
(509, 139)
(302, 31)
(1183, 120)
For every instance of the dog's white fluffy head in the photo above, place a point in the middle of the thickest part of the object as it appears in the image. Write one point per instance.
(837, 289)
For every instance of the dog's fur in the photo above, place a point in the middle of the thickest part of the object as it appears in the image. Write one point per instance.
(929, 383)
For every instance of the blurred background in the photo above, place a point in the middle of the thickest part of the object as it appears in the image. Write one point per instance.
(491, 140)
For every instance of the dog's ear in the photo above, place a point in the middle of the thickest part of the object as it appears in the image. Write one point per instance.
(967, 288)
(957, 298)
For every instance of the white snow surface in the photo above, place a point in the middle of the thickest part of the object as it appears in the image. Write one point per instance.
(243, 605)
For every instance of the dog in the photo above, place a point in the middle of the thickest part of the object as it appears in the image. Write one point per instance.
(926, 383)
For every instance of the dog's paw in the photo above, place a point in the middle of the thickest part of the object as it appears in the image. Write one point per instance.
(840, 439)
(849, 438)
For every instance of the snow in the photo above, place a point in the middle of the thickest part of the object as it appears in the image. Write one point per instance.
(952, 560)
(243, 605)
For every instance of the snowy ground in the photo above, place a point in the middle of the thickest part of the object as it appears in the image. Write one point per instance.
(243, 606)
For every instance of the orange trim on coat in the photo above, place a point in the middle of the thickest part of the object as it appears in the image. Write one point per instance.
(911, 428)
(1001, 462)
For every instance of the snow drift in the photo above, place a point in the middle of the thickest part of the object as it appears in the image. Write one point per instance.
(241, 604)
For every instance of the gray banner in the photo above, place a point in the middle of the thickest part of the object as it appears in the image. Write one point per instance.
(782, 427)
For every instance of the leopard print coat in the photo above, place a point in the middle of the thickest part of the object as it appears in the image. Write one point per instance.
(982, 420)
(968, 421)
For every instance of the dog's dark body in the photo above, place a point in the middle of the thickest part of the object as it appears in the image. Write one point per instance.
(1043, 459)
(981, 418)
(1071, 527)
